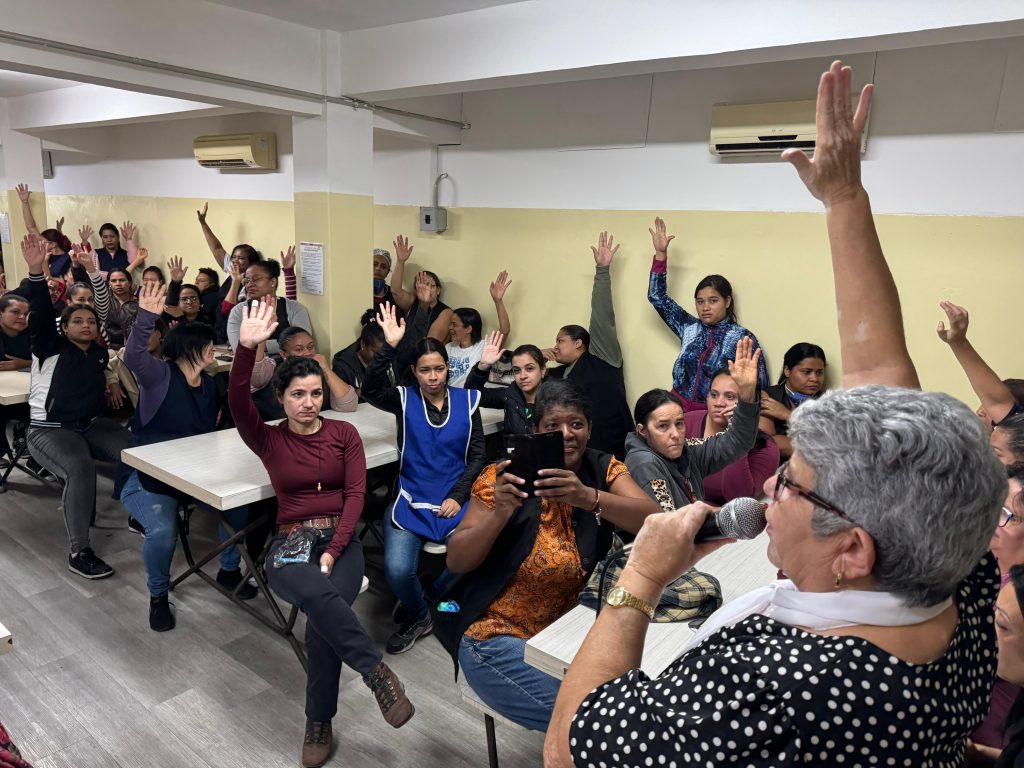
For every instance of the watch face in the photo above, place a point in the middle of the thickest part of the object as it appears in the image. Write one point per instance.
(616, 596)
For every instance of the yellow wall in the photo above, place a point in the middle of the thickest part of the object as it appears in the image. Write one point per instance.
(778, 264)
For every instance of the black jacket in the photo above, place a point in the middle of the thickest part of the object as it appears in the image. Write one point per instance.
(605, 385)
(475, 591)
(518, 415)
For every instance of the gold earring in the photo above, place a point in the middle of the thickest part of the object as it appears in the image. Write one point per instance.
(839, 579)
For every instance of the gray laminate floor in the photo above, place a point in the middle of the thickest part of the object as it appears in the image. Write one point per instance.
(88, 685)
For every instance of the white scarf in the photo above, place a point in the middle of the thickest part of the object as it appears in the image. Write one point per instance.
(818, 611)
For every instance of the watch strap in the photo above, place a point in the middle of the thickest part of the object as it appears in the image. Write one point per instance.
(632, 601)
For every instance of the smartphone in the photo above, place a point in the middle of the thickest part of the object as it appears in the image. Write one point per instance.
(531, 453)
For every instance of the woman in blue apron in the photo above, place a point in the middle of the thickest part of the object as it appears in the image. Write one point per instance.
(441, 445)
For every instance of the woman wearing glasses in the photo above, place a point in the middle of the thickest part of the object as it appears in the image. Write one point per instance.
(184, 300)
(261, 280)
(879, 646)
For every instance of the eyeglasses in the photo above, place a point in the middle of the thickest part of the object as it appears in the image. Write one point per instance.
(259, 279)
(189, 299)
(781, 481)
(1006, 516)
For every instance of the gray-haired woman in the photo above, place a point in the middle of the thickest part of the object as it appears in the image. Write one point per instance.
(879, 648)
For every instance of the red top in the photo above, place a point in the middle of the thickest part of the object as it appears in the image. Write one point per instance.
(332, 458)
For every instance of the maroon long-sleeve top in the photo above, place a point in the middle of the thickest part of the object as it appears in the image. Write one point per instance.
(332, 458)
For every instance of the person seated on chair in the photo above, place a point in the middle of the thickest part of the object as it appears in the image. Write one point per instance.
(261, 280)
(529, 368)
(184, 300)
(442, 440)
(425, 297)
(123, 308)
(67, 392)
(176, 399)
(297, 342)
(381, 290)
(802, 379)
(208, 284)
(525, 559)
(594, 358)
(318, 469)
(350, 363)
(15, 355)
(747, 474)
(466, 342)
(673, 470)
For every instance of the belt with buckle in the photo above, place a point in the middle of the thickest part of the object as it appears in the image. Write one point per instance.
(320, 523)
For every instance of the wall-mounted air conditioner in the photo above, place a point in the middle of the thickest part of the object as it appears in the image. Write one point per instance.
(239, 150)
(766, 128)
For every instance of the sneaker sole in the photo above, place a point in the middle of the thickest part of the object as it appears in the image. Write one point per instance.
(91, 577)
(410, 645)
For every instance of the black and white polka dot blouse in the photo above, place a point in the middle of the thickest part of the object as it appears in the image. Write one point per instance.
(766, 694)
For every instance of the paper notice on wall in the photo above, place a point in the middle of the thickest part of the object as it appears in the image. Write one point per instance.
(311, 266)
(5, 228)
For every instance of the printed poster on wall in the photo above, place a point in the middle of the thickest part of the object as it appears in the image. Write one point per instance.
(311, 266)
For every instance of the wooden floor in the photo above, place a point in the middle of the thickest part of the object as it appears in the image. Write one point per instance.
(89, 685)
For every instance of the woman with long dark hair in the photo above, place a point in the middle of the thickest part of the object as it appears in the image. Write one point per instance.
(529, 369)
(442, 451)
(802, 379)
(707, 338)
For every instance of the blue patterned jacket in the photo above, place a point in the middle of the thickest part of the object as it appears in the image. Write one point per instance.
(704, 349)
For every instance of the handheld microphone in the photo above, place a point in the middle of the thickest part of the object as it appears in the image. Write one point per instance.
(741, 518)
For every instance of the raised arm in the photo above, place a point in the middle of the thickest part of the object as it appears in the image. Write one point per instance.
(211, 239)
(42, 324)
(136, 256)
(150, 372)
(256, 326)
(100, 290)
(604, 341)
(674, 316)
(24, 194)
(344, 397)
(996, 398)
(403, 251)
(377, 388)
(288, 269)
(498, 288)
(872, 342)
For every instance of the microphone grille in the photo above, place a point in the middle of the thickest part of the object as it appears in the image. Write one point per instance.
(742, 518)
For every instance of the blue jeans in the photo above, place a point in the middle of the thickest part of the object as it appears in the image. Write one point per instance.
(159, 516)
(401, 563)
(495, 670)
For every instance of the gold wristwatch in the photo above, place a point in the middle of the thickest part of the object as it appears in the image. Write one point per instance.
(619, 596)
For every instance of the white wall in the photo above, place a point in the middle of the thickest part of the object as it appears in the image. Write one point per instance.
(932, 148)
(155, 159)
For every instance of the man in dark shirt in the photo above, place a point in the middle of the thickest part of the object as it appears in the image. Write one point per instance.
(350, 363)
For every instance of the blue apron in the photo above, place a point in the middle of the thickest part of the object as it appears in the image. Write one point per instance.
(433, 459)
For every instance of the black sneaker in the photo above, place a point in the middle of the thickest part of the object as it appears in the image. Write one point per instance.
(161, 618)
(87, 565)
(408, 634)
(135, 526)
(231, 579)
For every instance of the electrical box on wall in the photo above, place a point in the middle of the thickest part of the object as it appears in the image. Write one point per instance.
(433, 219)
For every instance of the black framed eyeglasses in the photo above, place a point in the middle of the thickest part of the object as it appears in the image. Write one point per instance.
(189, 299)
(781, 481)
(1007, 516)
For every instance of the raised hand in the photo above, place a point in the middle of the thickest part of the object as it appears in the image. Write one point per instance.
(33, 249)
(153, 297)
(202, 213)
(60, 225)
(833, 175)
(660, 239)
(236, 274)
(258, 323)
(23, 192)
(84, 234)
(87, 259)
(958, 322)
(128, 231)
(394, 329)
(604, 252)
(143, 254)
(288, 258)
(744, 368)
(499, 286)
(176, 270)
(492, 349)
(402, 248)
(424, 285)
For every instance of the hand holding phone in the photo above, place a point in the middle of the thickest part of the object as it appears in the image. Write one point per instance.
(528, 454)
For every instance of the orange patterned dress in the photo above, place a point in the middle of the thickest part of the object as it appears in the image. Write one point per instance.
(548, 582)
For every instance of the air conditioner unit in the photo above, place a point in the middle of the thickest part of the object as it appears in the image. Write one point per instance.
(238, 150)
(765, 128)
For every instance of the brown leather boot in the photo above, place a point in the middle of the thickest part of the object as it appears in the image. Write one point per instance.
(317, 744)
(390, 695)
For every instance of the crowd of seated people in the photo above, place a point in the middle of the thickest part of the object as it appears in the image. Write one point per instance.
(861, 575)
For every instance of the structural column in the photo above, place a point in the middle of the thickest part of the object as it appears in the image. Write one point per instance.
(334, 206)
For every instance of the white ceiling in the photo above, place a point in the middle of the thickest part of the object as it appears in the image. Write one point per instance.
(19, 84)
(346, 15)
